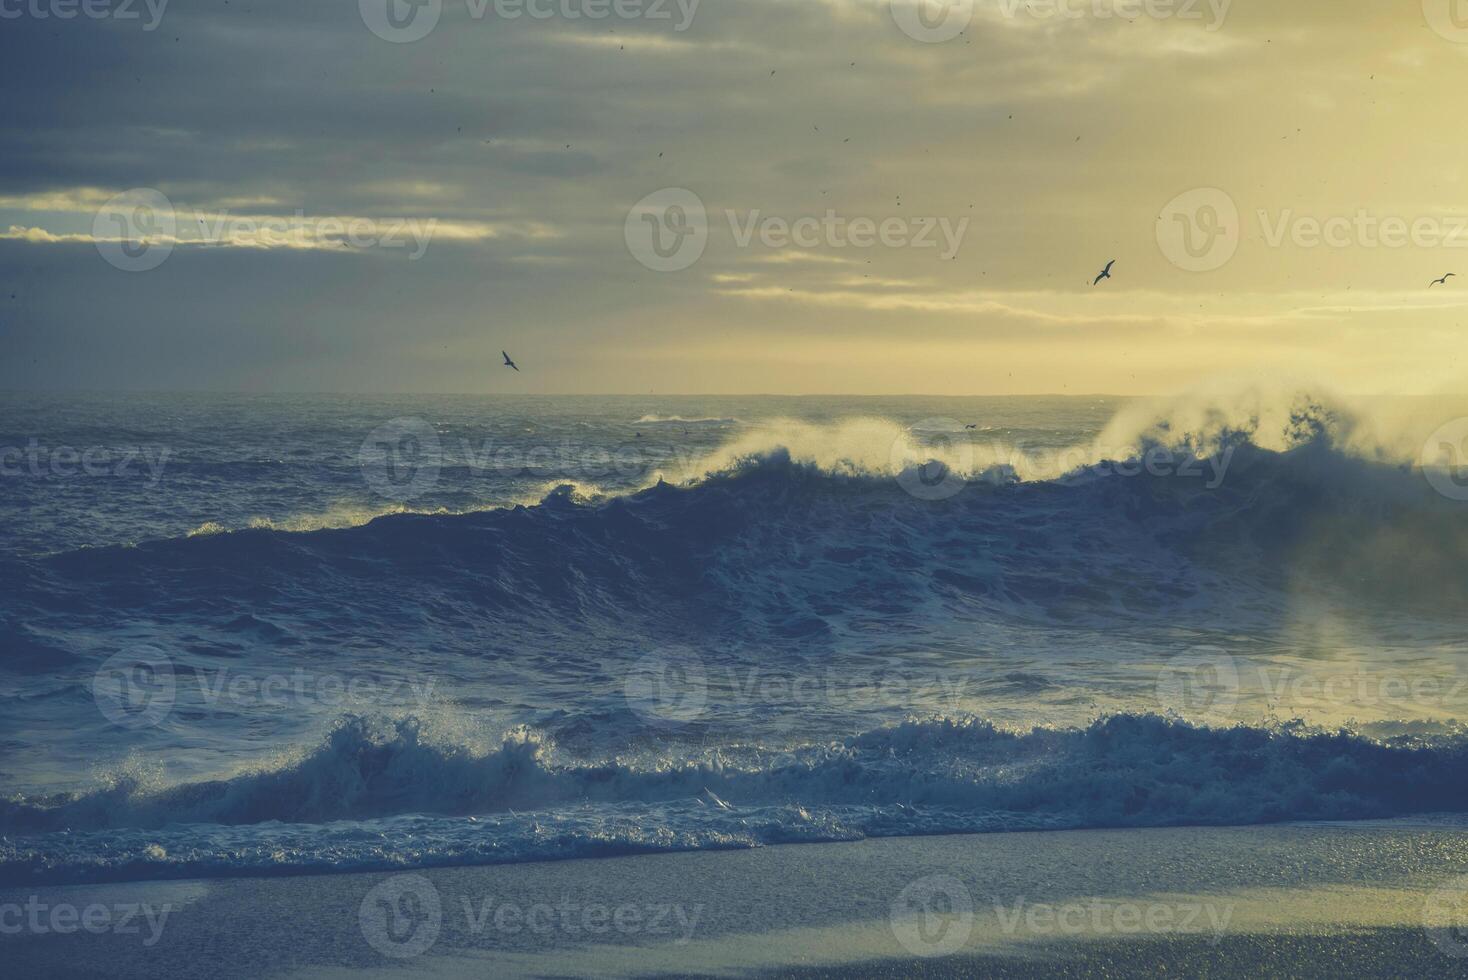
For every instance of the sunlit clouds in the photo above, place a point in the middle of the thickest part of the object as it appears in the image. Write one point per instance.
(503, 156)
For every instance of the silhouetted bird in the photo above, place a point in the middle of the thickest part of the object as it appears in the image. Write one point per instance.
(509, 363)
(1105, 273)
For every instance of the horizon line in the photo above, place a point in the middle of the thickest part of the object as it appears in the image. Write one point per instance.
(671, 394)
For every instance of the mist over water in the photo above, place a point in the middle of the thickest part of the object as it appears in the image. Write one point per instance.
(332, 632)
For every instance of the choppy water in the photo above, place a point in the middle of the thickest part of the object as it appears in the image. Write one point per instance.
(255, 635)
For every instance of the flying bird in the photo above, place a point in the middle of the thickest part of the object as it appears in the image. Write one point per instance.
(1443, 281)
(1105, 273)
(509, 363)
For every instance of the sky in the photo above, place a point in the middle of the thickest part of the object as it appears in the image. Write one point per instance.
(731, 196)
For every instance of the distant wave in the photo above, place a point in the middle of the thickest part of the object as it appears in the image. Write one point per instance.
(928, 776)
(769, 545)
(1205, 427)
(652, 419)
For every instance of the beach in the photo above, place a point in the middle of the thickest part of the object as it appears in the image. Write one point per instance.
(1298, 900)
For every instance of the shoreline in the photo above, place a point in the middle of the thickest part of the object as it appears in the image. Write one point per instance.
(1283, 898)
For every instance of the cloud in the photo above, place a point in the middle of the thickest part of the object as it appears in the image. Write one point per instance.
(523, 143)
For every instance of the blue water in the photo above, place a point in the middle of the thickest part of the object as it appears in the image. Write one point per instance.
(274, 634)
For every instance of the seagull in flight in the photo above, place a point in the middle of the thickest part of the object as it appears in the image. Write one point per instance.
(509, 363)
(1443, 281)
(1105, 273)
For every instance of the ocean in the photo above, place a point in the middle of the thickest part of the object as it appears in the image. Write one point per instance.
(262, 635)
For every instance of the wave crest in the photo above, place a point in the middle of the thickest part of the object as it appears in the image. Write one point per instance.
(1122, 771)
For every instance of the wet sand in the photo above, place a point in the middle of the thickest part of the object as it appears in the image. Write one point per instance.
(1375, 900)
